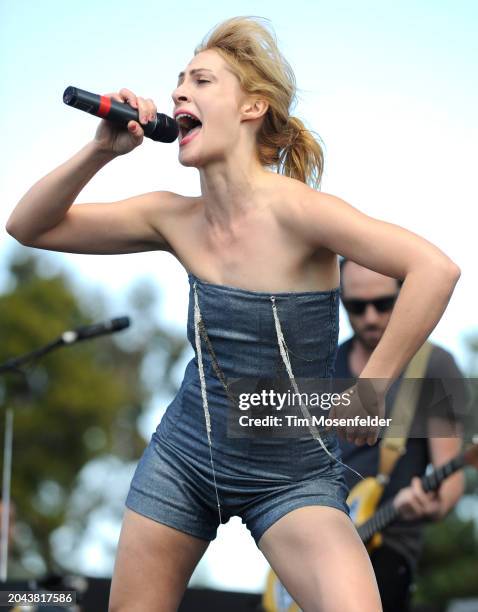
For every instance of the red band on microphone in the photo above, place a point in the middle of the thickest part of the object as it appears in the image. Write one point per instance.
(105, 106)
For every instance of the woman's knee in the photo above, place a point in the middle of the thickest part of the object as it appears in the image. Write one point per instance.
(154, 563)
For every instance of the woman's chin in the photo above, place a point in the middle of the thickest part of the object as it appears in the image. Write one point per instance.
(187, 159)
(191, 159)
(197, 157)
(187, 163)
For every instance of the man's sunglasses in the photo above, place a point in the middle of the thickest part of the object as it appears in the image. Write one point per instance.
(357, 307)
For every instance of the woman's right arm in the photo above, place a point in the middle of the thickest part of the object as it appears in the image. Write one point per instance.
(45, 218)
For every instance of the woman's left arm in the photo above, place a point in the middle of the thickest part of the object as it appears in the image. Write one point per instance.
(429, 275)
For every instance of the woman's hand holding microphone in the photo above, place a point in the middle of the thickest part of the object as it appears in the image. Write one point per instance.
(115, 139)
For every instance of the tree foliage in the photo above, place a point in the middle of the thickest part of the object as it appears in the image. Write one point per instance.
(77, 403)
(449, 564)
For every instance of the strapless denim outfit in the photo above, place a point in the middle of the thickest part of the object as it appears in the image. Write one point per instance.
(186, 482)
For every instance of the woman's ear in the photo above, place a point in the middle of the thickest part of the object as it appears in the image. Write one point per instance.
(254, 108)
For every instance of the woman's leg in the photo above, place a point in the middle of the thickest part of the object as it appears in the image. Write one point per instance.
(153, 565)
(318, 556)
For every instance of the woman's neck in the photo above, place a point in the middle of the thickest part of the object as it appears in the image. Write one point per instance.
(230, 190)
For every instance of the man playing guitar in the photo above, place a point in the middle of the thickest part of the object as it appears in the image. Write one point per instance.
(368, 298)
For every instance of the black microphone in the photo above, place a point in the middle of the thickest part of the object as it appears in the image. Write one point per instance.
(163, 129)
(99, 329)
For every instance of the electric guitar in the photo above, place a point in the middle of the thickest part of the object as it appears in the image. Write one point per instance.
(369, 524)
(362, 501)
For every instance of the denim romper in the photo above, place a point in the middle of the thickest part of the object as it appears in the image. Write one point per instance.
(192, 475)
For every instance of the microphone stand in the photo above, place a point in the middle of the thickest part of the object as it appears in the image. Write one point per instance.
(7, 471)
(13, 365)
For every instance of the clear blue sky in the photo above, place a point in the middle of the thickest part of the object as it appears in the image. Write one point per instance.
(390, 87)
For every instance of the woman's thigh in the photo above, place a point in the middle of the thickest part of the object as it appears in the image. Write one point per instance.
(317, 554)
(153, 565)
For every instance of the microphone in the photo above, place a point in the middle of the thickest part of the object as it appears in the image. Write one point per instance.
(163, 129)
(90, 331)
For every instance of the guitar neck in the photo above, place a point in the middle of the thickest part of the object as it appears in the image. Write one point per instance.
(387, 513)
(436, 477)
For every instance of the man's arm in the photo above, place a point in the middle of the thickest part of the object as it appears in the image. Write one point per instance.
(413, 503)
(443, 450)
(445, 435)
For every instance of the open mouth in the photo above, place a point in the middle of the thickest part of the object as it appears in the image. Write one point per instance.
(187, 124)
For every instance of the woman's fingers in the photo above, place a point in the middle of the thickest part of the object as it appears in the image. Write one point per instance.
(136, 102)
(147, 110)
(143, 110)
(372, 438)
(128, 96)
(359, 403)
(153, 111)
(135, 128)
(114, 96)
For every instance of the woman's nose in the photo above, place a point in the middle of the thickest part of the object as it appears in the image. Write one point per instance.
(179, 95)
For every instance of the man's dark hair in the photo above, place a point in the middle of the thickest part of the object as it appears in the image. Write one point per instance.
(343, 261)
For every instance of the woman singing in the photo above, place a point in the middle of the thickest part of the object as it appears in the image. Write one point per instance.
(260, 247)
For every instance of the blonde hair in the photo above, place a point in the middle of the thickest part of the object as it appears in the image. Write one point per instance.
(251, 51)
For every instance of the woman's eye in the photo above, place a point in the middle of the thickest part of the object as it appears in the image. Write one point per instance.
(202, 81)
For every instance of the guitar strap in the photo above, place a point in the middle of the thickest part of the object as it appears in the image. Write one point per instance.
(404, 405)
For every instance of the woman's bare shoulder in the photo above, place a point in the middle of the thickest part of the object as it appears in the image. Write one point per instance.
(290, 197)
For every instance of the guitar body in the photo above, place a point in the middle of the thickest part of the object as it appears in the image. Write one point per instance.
(276, 598)
(363, 500)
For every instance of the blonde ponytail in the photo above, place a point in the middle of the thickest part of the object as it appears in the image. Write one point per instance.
(252, 53)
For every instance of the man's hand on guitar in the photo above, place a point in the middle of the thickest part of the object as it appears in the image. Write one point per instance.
(413, 503)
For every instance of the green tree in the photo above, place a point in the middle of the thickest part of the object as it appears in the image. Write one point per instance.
(449, 564)
(77, 403)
